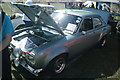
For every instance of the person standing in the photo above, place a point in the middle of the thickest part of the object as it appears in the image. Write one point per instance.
(27, 21)
(6, 31)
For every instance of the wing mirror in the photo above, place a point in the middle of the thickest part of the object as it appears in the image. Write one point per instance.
(84, 32)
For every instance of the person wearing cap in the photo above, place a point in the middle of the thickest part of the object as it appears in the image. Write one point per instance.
(6, 31)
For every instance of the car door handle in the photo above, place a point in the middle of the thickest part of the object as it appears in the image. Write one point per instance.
(94, 32)
(104, 29)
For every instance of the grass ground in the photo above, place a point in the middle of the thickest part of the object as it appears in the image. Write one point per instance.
(6, 8)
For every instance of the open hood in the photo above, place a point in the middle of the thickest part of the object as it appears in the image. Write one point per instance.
(38, 15)
(104, 14)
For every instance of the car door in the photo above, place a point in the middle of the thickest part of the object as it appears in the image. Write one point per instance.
(99, 28)
(87, 31)
(84, 37)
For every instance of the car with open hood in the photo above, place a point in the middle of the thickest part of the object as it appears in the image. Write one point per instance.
(55, 39)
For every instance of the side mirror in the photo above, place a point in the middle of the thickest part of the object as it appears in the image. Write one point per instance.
(84, 33)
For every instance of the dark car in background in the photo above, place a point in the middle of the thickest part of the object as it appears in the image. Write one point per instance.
(55, 39)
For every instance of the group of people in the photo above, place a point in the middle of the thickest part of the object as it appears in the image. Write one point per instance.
(88, 4)
(80, 5)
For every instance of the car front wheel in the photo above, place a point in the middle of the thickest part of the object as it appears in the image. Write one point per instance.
(57, 65)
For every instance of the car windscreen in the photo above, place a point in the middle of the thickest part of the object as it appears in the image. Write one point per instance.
(66, 22)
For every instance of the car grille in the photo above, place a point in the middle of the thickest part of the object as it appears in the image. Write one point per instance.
(30, 59)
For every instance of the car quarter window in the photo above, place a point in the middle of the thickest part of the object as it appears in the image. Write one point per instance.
(96, 22)
(87, 24)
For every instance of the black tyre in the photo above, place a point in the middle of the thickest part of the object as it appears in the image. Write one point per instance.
(56, 66)
(102, 42)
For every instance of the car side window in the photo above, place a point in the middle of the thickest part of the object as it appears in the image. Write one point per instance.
(96, 22)
(87, 24)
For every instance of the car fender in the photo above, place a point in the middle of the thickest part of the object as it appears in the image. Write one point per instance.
(54, 53)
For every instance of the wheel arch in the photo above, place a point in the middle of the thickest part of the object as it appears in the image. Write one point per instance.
(54, 55)
(47, 67)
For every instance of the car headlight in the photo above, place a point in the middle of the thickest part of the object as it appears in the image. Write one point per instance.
(17, 52)
(30, 58)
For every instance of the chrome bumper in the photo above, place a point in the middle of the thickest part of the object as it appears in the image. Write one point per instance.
(24, 64)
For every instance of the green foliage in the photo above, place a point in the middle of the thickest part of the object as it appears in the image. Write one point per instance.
(6, 8)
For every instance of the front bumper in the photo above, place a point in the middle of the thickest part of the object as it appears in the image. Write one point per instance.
(21, 61)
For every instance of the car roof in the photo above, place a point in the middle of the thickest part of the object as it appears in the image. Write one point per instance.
(104, 14)
(81, 13)
(43, 5)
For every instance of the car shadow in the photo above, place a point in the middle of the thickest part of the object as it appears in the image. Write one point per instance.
(95, 63)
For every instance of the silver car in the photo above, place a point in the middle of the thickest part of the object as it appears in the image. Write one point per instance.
(55, 40)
